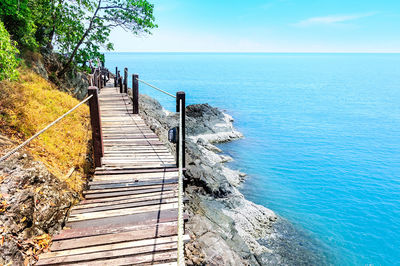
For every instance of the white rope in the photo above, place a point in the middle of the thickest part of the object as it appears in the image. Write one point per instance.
(154, 87)
(181, 257)
(43, 130)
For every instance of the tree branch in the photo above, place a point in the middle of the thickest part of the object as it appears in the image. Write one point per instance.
(71, 57)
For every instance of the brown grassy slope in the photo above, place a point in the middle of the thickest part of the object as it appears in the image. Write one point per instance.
(30, 104)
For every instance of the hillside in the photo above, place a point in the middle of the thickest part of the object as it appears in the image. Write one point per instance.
(29, 105)
(41, 182)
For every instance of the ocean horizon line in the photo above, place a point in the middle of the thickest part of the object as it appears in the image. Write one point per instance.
(247, 52)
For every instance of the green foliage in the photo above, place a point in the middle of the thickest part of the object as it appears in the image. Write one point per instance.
(8, 52)
(92, 22)
(17, 18)
(78, 29)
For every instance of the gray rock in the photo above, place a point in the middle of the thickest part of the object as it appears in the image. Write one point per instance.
(78, 83)
(39, 68)
(225, 227)
(37, 203)
(73, 81)
(212, 191)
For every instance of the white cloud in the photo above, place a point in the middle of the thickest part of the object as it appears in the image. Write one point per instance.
(330, 20)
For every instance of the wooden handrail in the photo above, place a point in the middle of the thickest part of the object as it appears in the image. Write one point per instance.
(95, 121)
(180, 96)
(135, 93)
(125, 89)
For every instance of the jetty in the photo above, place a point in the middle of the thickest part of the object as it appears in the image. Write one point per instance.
(132, 212)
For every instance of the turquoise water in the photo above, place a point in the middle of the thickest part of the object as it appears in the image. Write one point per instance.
(322, 145)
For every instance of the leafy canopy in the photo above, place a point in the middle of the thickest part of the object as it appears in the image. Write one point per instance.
(18, 20)
(78, 29)
(8, 52)
(91, 22)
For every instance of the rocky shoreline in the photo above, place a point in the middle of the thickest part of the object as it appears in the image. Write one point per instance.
(225, 228)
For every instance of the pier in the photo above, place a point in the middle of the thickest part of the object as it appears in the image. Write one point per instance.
(132, 212)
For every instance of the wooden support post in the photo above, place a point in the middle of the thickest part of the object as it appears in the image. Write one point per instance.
(180, 95)
(97, 84)
(95, 78)
(119, 76)
(126, 80)
(100, 80)
(116, 77)
(135, 93)
(97, 137)
(121, 89)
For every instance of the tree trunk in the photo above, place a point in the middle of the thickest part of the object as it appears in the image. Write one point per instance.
(51, 36)
(53, 29)
(71, 57)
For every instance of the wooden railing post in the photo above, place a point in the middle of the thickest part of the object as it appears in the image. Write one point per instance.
(95, 121)
(180, 95)
(121, 86)
(95, 78)
(100, 80)
(135, 93)
(126, 80)
(98, 85)
(116, 77)
(119, 78)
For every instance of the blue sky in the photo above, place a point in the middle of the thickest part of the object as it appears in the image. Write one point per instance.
(269, 26)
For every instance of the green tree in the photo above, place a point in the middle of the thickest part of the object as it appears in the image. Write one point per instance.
(78, 29)
(92, 22)
(8, 52)
(17, 18)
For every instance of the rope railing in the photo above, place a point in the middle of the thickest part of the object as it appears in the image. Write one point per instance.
(154, 87)
(181, 257)
(180, 144)
(8, 154)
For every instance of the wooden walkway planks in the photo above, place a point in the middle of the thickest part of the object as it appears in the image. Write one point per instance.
(129, 214)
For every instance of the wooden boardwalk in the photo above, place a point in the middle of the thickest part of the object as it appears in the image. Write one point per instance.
(129, 214)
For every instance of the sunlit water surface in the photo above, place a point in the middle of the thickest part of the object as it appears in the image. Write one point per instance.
(322, 137)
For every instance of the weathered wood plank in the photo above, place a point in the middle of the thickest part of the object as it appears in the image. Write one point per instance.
(110, 254)
(129, 192)
(129, 197)
(120, 212)
(108, 171)
(129, 188)
(149, 233)
(156, 199)
(145, 259)
(103, 230)
(133, 219)
(128, 177)
(152, 202)
(122, 184)
(135, 161)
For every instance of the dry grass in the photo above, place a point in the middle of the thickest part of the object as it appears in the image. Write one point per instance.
(29, 105)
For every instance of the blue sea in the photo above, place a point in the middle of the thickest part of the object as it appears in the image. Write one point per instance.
(322, 137)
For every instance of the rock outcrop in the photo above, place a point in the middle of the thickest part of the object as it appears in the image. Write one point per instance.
(225, 228)
(34, 205)
(48, 63)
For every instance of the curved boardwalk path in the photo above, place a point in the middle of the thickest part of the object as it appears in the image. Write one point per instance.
(129, 214)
